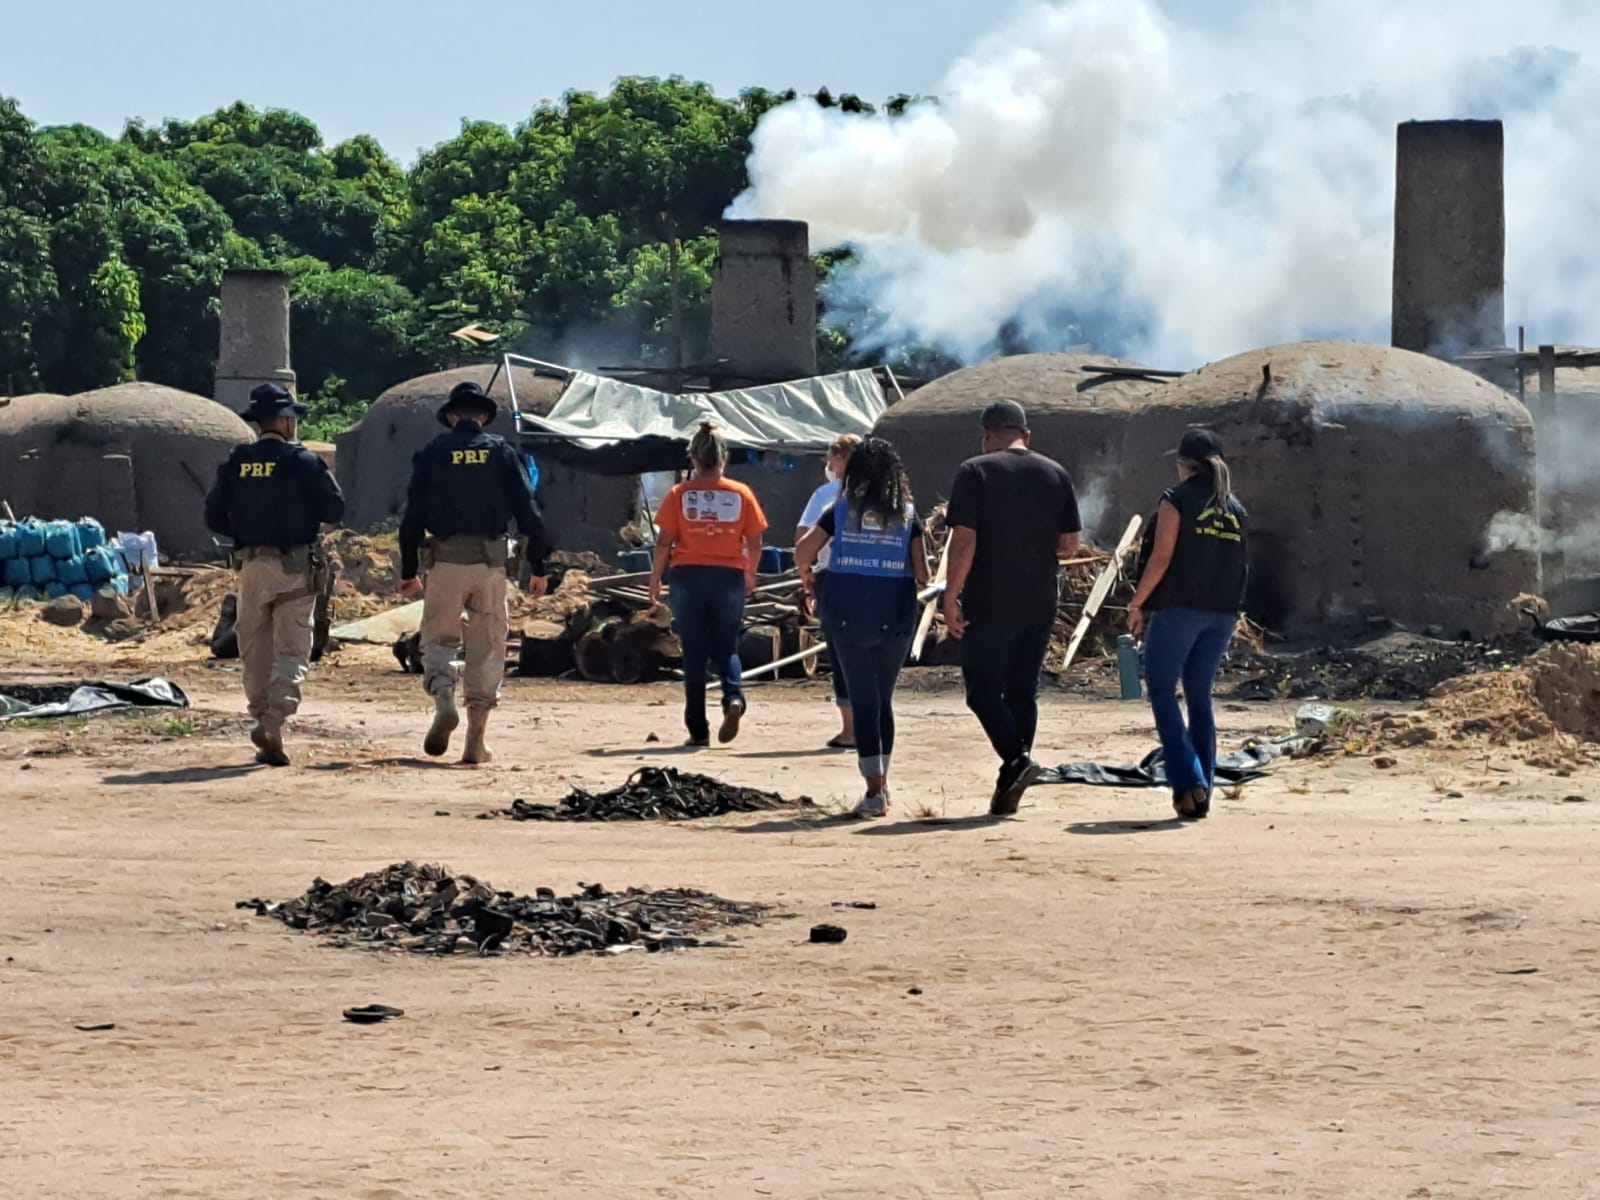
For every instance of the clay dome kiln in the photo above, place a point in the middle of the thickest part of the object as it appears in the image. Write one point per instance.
(135, 456)
(1371, 474)
(936, 427)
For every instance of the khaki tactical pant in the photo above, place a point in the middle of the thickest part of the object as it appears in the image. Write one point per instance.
(274, 628)
(479, 591)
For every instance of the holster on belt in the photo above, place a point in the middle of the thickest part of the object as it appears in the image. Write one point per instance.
(321, 569)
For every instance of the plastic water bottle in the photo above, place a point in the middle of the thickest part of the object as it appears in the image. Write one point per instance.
(1128, 667)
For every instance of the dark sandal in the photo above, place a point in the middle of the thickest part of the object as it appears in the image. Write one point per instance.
(371, 1014)
(837, 742)
(1192, 805)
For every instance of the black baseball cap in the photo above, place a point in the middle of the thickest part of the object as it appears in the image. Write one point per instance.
(1005, 414)
(1199, 444)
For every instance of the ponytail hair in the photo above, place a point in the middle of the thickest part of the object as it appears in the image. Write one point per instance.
(707, 448)
(1216, 467)
(1221, 481)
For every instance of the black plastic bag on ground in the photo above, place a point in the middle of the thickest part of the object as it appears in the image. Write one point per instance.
(1582, 628)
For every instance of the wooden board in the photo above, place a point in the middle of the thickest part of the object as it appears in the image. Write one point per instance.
(928, 609)
(1101, 589)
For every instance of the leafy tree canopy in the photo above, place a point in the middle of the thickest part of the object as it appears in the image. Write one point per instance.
(571, 225)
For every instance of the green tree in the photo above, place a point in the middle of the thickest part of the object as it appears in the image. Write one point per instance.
(114, 315)
(352, 326)
(646, 293)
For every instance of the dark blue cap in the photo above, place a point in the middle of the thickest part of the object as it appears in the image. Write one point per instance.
(1199, 444)
(269, 401)
(469, 399)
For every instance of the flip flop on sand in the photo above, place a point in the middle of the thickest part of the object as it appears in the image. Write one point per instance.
(837, 742)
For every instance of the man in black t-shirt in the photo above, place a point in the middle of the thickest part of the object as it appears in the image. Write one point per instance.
(1012, 515)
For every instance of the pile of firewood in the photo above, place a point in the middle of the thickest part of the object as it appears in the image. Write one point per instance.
(605, 629)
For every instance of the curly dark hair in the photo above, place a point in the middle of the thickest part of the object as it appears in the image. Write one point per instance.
(875, 479)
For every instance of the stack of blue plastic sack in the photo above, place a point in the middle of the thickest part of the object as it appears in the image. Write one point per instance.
(41, 560)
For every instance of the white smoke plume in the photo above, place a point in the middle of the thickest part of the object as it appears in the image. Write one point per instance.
(1178, 180)
(1094, 503)
(1512, 531)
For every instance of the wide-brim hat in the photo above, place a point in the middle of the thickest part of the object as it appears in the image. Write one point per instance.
(469, 397)
(271, 401)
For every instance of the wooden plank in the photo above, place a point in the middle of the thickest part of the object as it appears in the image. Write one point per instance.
(926, 622)
(1101, 589)
(150, 595)
(927, 593)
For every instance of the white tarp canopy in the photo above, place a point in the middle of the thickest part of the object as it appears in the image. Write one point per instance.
(802, 416)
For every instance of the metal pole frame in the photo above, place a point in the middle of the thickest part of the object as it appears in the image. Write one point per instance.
(506, 361)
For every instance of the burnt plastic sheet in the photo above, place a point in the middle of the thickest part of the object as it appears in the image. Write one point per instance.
(37, 701)
(1237, 766)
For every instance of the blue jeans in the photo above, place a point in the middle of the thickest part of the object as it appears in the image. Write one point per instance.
(1001, 668)
(708, 613)
(841, 687)
(870, 669)
(1186, 644)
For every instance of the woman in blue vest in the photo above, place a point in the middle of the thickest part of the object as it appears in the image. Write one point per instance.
(869, 598)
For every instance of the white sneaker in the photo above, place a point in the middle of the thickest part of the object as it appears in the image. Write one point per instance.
(873, 806)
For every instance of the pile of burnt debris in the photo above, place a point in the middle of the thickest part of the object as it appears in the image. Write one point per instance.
(430, 909)
(1395, 666)
(652, 794)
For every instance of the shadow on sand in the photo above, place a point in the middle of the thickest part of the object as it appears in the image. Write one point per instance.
(186, 775)
(1101, 828)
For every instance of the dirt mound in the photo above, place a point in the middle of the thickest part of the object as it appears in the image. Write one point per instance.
(653, 794)
(430, 910)
(368, 565)
(1566, 684)
(1551, 696)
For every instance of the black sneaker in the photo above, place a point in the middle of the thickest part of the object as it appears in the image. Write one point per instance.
(1016, 777)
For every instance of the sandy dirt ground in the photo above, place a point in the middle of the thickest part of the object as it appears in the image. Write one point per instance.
(1349, 982)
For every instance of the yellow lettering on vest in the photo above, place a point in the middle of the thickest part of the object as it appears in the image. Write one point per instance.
(257, 470)
(468, 457)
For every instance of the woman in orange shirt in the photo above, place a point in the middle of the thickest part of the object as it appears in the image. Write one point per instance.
(711, 531)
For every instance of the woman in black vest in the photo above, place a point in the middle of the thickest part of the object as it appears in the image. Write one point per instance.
(1190, 594)
(869, 602)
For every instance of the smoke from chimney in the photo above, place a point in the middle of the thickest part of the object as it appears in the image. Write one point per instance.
(1174, 182)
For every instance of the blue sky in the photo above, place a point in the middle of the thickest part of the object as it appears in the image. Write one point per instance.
(408, 71)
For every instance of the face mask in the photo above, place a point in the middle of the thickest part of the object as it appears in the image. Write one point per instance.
(833, 476)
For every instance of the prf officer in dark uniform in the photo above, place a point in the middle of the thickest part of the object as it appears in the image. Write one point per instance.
(270, 497)
(467, 487)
